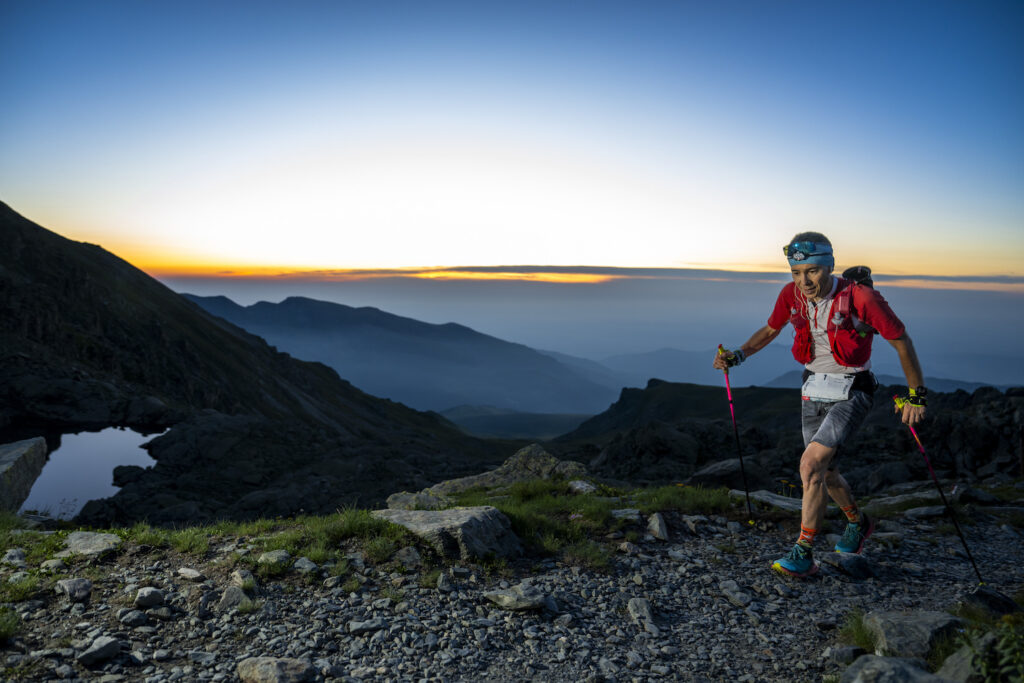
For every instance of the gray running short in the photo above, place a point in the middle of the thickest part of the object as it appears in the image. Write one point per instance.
(831, 424)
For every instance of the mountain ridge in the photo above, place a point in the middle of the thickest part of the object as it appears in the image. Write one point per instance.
(425, 365)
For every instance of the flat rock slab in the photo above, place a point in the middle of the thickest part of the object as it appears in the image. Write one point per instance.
(423, 500)
(874, 669)
(274, 557)
(459, 533)
(910, 634)
(149, 597)
(77, 590)
(734, 594)
(923, 497)
(89, 543)
(275, 670)
(926, 512)
(769, 498)
(518, 598)
(190, 574)
(992, 601)
(102, 649)
(14, 557)
(851, 564)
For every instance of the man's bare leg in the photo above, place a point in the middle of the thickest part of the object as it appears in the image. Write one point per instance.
(814, 473)
(839, 489)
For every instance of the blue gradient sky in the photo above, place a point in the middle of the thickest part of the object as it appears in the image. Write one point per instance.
(198, 136)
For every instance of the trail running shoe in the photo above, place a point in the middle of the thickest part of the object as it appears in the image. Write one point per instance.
(799, 562)
(855, 535)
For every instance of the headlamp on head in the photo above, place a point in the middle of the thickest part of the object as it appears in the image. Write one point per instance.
(809, 252)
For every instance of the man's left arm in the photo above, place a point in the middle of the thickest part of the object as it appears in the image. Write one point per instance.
(912, 414)
(876, 312)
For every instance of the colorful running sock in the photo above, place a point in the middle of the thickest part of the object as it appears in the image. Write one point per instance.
(807, 536)
(852, 513)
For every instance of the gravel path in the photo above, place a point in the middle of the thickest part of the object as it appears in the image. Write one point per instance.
(702, 606)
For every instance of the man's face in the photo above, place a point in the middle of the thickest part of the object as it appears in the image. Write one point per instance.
(812, 279)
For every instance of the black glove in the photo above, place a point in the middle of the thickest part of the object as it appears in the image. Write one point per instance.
(734, 358)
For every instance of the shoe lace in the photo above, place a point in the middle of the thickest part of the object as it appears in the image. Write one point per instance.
(797, 553)
(851, 534)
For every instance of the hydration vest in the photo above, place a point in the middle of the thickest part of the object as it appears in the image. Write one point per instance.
(849, 337)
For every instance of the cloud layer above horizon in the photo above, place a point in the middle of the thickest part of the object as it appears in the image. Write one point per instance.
(202, 137)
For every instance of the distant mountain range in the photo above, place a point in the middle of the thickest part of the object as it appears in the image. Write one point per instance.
(488, 386)
(426, 366)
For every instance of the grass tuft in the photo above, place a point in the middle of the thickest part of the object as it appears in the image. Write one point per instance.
(688, 499)
(587, 554)
(19, 591)
(10, 624)
(855, 632)
(429, 579)
(192, 541)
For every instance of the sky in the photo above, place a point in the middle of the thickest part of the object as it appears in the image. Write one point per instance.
(258, 138)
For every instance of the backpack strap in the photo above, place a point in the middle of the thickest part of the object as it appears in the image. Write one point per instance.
(844, 307)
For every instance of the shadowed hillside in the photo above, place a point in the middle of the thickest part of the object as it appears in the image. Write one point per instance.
(90, 341)
(668, 432)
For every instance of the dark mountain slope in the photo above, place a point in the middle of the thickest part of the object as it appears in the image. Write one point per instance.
(424, 365)
(89, 341)
(671, 402)
(667, 432)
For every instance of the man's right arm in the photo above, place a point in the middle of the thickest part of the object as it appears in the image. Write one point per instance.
(760, 339)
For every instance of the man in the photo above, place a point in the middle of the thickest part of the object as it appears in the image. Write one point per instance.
(834, 322)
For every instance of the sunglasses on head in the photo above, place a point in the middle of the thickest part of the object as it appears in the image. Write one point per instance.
(799, 251)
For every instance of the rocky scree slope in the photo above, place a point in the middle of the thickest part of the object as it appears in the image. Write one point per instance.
(690, 598)
(90, 341)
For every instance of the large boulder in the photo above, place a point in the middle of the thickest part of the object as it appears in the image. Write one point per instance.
(909, 634)
(20, 465)
(874, 669)
(532, 462)
(460, 533)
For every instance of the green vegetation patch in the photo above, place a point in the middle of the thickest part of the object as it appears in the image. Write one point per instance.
(855, 632)
(587, 554)
(686, 499)
(19, 591)
(1004, 661)
(548, 517)
(10, 624)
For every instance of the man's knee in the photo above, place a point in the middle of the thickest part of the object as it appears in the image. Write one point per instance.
(814, 463)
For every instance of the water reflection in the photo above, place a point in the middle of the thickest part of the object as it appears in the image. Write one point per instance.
(81, 469)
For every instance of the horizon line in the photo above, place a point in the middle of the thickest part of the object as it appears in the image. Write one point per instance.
(579, 275)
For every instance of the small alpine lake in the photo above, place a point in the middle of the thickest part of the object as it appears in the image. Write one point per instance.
(81, 469)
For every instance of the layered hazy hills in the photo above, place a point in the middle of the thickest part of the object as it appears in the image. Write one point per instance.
(89, 341)
(427, 366)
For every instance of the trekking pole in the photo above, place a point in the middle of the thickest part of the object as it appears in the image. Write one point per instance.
(900, 402)
(736, 433)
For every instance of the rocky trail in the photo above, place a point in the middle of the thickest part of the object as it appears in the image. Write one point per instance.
(700, 605)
